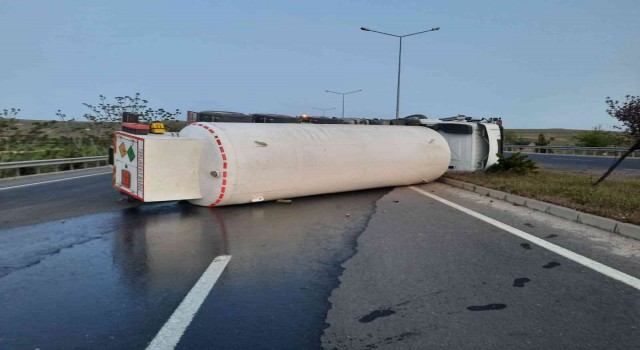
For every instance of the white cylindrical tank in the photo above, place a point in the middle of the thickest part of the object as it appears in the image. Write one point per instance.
(247, 162)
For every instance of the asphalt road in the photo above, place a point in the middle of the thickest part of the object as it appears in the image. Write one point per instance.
(386, 268)
(591, 164)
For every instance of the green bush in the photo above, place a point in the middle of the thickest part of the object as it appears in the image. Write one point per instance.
(515, 163)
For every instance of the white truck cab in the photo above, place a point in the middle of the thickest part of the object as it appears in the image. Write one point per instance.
(475, 143)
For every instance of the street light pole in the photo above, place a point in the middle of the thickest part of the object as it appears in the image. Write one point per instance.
(323, 109)
(399, 58)
(398, 88)
(342, 93)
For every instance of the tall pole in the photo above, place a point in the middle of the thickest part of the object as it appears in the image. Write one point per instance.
(398, 94)
(399, 58)
(343, 94)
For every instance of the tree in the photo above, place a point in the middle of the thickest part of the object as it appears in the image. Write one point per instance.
(628, 113)
(7, 126)
(77, 137)
(8, 118)
(107, 115)
(542, 141)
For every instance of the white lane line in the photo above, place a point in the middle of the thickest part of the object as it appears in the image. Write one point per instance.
(582, 260)
(170, 334)
(50, 181)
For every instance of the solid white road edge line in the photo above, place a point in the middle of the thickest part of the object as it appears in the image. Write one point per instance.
(170, 334)
(50, 181)
(594, 265)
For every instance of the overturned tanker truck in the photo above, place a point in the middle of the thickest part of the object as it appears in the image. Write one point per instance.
(225, 158)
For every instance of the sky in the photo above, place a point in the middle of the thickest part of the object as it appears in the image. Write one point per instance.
(536, 64)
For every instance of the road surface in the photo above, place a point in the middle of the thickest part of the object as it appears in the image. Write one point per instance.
(378, 269)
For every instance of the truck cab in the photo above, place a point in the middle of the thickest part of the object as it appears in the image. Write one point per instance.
(475, 143)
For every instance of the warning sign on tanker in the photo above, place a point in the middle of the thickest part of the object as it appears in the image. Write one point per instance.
(123, 149)
(129, 174)
(131, 153)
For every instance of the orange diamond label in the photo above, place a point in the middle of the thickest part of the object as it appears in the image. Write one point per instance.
(122, 149)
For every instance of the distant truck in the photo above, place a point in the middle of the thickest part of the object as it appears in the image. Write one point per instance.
(225, 158)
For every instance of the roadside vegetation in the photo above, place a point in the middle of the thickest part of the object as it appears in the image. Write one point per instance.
(69, 137)
(596, 137)
(516, 163)
(627, 113)
(617, 198)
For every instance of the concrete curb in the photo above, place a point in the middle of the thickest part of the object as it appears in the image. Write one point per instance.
(622, 228)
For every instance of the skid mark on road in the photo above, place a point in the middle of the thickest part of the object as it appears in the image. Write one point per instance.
(487, 307)
(582, 260)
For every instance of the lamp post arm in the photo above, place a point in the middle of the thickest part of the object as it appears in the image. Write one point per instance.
(424, 31)
(375, 31)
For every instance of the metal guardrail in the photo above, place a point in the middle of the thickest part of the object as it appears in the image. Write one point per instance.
(594, 151)
(73, 163)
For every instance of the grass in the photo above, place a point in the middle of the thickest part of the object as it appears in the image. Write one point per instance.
(617, 198)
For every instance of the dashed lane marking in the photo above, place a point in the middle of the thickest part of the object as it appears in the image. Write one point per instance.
(170, 334)
(582, 260)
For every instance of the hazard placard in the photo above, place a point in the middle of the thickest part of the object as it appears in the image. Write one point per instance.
(130, 165)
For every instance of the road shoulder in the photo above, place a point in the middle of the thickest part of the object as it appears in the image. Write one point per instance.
(420, 268)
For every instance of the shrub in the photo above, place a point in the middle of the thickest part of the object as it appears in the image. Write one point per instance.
(515, 163)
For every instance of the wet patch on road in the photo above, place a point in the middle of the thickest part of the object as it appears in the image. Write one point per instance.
(519, 282)
(553, 235)
(528, 224)
(105, 280)
(373, 315)
(525, 246)
(487, 307)
(551, 265)
(291, 258)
